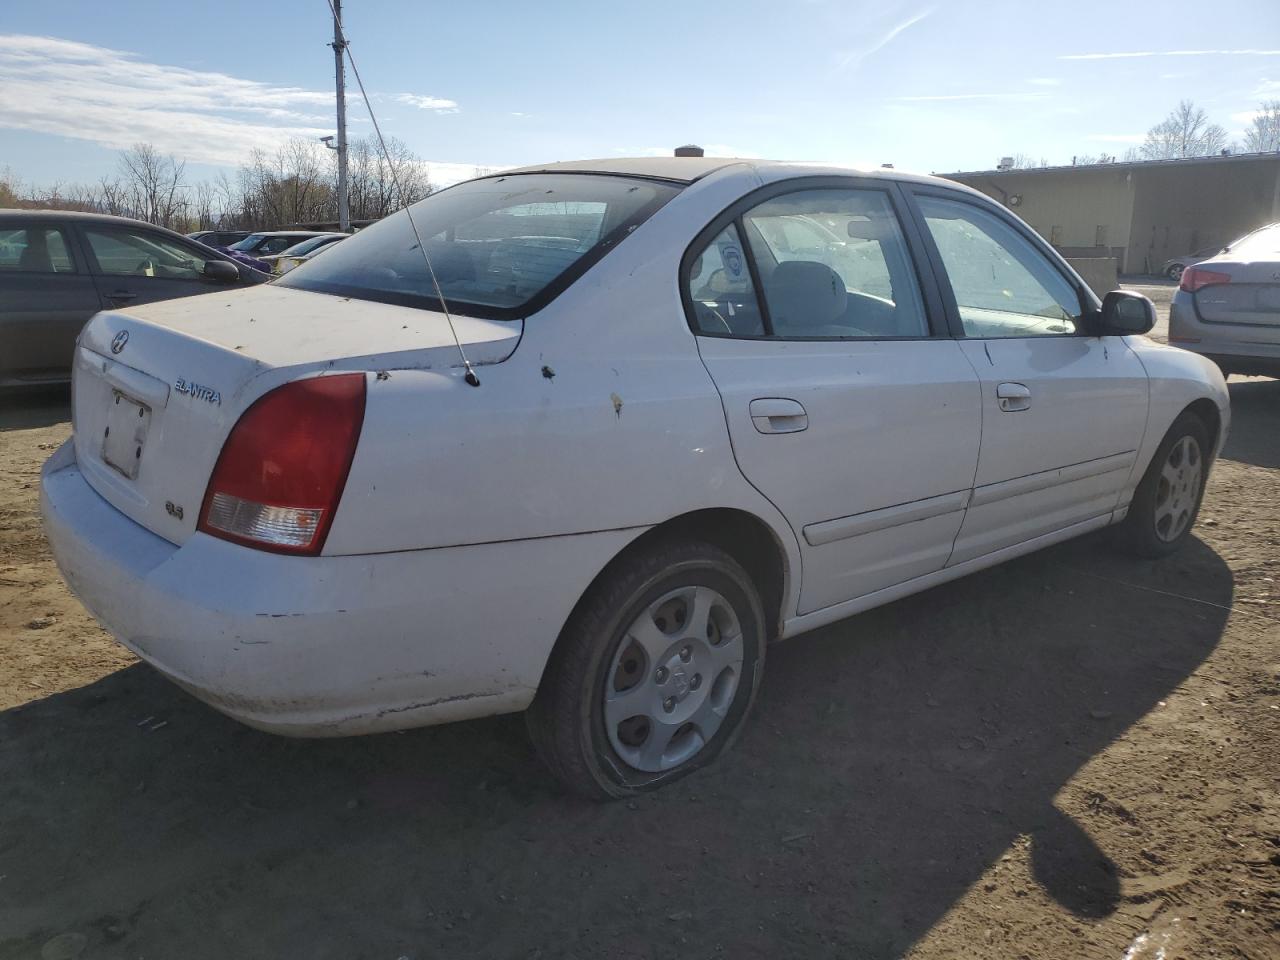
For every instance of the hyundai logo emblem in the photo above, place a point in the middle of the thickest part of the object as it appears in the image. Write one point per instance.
(119, 340)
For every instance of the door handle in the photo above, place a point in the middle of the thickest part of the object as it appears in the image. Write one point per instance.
(778, 415)
(124, 295)
(1013, 397)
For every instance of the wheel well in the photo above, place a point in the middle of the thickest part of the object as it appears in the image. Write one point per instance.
(743, 536)
(1207, 411)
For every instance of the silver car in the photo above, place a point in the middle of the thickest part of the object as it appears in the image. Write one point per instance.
(1228, 307)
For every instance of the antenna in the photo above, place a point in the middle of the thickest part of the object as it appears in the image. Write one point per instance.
(470, 377)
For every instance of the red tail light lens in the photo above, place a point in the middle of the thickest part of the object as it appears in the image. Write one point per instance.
(1193, 278)
(281, 472)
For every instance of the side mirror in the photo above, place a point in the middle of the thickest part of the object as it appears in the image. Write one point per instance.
(1124, 312)
(221, 271)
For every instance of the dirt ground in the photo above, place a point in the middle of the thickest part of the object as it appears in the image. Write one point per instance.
(1074, 755)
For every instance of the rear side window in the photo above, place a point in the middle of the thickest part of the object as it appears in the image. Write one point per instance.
(500, 247)
(34, 250)
(720, 287)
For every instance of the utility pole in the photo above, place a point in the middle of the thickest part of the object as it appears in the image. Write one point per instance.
(340, 77)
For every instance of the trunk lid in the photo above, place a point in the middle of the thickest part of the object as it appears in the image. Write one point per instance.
(157, 388)
(1252, 298)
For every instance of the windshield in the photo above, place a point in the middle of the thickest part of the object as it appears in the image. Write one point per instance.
(248, 243)
(306, 246)
(501, 247)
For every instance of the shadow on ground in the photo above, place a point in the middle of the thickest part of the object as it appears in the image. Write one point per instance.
(27, 407)
(892, 759)
(1255, 423)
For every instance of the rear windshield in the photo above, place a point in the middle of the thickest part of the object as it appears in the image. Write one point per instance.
(501, 247)
(1260, 243)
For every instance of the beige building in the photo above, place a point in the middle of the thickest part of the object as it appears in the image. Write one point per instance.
(1140, 213)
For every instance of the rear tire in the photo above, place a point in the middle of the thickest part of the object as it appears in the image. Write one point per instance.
(1167, 501)
(654, 674)
(1175, 272)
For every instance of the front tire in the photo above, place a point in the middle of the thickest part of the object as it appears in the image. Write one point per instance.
(1175, 272)
(1167, 501)
(654, 673)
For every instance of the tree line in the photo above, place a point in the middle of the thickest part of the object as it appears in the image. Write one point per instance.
(1189, 132)
(297, 183)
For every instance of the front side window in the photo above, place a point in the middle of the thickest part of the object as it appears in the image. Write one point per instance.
(499, 247)
(1003, 285)
(128, 253)
(34, 250)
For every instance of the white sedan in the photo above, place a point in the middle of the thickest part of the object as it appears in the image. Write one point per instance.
(709, 403)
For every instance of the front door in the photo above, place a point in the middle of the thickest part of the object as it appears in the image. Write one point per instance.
(844, 407)
(136, 265)
(1063, 412)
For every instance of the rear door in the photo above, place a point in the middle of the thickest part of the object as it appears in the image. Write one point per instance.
(134, 265)
(1063, 412)
(46, 296)
(846, 407)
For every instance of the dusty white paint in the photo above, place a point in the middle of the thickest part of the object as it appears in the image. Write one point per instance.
(474, 518)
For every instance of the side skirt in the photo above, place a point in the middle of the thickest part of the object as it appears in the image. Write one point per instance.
(839, 611)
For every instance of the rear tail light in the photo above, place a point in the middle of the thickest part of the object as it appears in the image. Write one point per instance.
(281, 472)
(1193, 278)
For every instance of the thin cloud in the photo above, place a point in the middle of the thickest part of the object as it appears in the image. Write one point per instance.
(113, 98)
(1169, 53)
(1044, 81)
(438, 104)
(854, 57)
(1017, 97)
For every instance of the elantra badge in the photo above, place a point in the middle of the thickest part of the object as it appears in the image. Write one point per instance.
(119, 340)
(197, 392)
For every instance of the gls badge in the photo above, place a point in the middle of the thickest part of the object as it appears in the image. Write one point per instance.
(197, 392)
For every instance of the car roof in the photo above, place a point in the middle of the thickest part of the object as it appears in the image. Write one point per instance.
(687, 170)
(9, 214)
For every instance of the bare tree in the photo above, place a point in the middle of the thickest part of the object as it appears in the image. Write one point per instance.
(1263, 135)
(371, 178)
(157, 192)
(1185, 132)
(1023, 161)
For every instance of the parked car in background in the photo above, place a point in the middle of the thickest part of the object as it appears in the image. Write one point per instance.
(218, 238)
(1173, 268)
(291, 257)
(1228, 307)
(270, 242)
(59, 268)
(705, 404)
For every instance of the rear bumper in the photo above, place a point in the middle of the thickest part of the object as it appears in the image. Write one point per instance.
(323, 646)
(1236, 348)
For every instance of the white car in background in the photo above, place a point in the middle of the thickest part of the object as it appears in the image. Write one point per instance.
(282, 263)
(680, 437)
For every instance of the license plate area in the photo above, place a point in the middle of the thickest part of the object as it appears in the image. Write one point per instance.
(125, 434)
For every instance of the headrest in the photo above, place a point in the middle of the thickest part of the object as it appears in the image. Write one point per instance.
(804, 295)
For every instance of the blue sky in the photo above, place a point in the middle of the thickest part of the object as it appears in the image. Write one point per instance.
(926, 86)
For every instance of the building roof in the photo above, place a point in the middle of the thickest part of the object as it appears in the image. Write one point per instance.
(1122, 165)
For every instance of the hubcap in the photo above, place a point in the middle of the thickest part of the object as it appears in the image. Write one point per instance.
(673, 678)
(1178, 489)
